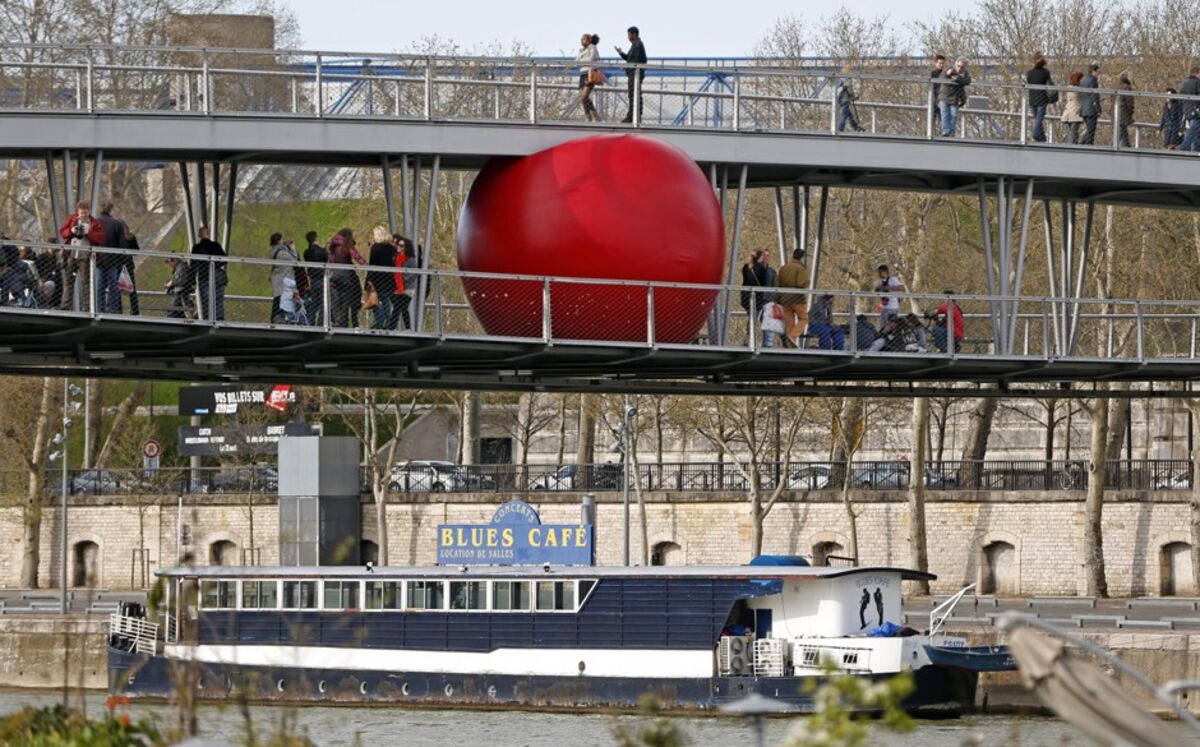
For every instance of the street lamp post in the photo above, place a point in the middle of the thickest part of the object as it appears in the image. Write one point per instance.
(60, 440)
(628, 413)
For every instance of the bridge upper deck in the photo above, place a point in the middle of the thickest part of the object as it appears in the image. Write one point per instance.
(781, 122)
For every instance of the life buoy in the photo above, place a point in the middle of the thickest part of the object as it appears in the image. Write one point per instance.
(362, 688)
(449, 690)
(404, 689)
(491, 691)
(321, 687)
(281, 685)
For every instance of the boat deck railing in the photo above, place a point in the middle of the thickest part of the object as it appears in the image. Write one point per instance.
(142, 632)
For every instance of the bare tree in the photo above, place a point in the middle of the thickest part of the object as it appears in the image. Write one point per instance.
(918, 554)
(378, 419)
(535, 412)
(30, 401)
(737, 428)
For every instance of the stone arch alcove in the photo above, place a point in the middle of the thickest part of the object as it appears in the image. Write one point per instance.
(999, 565)
(85, 564)
(667, 552)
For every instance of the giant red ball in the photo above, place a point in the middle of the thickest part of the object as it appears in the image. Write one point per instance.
(622, 207)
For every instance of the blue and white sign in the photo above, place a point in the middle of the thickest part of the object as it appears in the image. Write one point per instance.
(515, 536)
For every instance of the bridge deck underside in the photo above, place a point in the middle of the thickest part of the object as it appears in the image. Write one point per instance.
(1068, 172)
(139, 348)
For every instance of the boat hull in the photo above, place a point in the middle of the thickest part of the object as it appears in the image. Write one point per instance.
(938, 691)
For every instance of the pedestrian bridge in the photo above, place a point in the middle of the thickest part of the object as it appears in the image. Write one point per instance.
(773, 124)
(510, 332)
(777, 118)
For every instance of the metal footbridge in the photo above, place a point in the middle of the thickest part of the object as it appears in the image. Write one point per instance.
(776, 125)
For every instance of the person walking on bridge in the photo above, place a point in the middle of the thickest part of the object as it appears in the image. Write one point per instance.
(211, 276)
(1170, 123)
(108, 266)
(1089, 104)
(795, 305)
(937, 73)
(590, 76)
(635, 56)
(846, 97)
(80, 229)
(953, 96)
(1039, 98)
(314, 299)
(284, 252)
(1191, 111)
(1072, 116)
(1122, 109)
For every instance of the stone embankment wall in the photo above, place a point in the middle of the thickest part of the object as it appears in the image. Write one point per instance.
(1020, 543)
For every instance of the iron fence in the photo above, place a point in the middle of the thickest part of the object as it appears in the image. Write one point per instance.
(728, 476)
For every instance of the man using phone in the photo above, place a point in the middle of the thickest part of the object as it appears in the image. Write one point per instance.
(635, 56)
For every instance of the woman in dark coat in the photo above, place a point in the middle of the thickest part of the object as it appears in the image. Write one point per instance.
(1171, 122)
(383, 254)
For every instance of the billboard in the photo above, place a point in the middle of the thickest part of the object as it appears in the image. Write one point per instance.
(224, 440)
(225, 399)
(515, 536)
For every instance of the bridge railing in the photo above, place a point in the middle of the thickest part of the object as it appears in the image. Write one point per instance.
(747, 97)
(285, 295)
(875, 475)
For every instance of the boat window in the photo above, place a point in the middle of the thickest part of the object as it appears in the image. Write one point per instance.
(556, 595)
(341, 595)
(585, 587)
(383, 595)
(299, 595)
(468, 595)
(218, 595)
(426, 595)
(260, 595)
(509, 596)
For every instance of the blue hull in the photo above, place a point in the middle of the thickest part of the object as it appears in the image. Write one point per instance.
(972, 659)
(938, 691)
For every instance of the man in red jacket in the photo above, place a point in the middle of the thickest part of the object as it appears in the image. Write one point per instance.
(81, 229)
(940, 317)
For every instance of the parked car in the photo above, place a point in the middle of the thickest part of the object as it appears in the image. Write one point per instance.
(257, 479)
(437, 477)
(603, 477)
(810, 477)
(102, 482)
(1180, 481)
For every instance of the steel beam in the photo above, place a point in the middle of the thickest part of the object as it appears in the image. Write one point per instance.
(780, 232)
(189, 207)
(736, 245)
(56, 209)
(230, 196)
(97, 170)
(985, 226)
(427, 249)
(389, 199)
(814, 276)
(1014, 312)
(1084, 251)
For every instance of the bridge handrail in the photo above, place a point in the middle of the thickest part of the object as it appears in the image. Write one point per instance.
(452, 273)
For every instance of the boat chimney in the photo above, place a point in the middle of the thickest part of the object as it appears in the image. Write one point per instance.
(587, 509)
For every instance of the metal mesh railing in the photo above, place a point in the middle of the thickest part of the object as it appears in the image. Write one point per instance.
(751, 96)
(289, 294)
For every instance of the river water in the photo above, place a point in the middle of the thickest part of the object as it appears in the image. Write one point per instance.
(411, 727)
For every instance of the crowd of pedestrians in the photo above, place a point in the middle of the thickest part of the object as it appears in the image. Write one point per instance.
(62, 277)
(788, 314)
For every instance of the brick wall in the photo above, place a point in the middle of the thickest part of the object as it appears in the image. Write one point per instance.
(1044, 532)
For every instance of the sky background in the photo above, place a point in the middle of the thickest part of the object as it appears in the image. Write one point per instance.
(701, 28)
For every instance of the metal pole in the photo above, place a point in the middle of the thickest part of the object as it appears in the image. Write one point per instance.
(738, 210)
(97, 167)
(1021, 259)
(427, 250)
(1004, 241)
(230, 194)
(799, 221)
(1066, 264)
(1083, 259)
(68, 186)
(189, 214)
(87, 416)
(389, 199)
(214, 207)
(625, 471)
(405, 198)
(780, 233)
(819, 239)
(1048, 226)
(637, 107)
(533, 95)
(62, 508)
(986, 228)
(320, 90)
(55, 204)
(428, 93)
